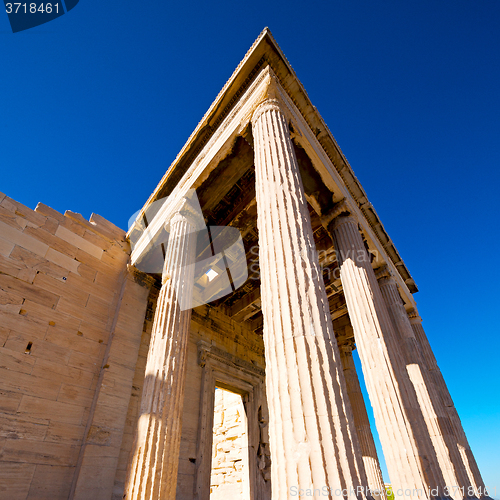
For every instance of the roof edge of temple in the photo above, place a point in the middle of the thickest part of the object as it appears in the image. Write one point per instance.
(265, 50)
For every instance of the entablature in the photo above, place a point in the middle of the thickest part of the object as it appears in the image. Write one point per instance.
(229, 117)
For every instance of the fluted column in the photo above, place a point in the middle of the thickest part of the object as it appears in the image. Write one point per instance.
(430, 404)
(152, 473)
(410, 456)
(477, 487)
(311, 425)
(362, 423)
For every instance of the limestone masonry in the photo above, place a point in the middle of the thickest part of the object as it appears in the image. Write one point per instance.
(112, 387)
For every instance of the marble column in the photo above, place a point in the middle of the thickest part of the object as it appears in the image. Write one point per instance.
(153, 470)
(430, 404)
(477, 487)
(312, 438)
(409, 453)
(362, 423)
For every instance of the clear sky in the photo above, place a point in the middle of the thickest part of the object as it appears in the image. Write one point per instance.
(96, 104)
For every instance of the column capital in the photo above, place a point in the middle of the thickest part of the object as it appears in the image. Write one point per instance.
(390, 290)
(271, 98)
(346, 345)
(346, 218)
(414, 317)
(268, 104)
(341, 210)
(186, 220)
(384, 275)
(189, 213)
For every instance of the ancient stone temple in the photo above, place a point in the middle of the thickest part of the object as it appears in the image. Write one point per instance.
(207, 353)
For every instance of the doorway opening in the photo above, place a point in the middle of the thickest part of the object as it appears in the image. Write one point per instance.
(229, 478)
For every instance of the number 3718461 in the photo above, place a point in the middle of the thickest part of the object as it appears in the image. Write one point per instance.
(31, 8)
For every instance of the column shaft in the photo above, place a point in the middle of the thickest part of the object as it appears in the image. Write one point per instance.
(312, 438)
(362, 424)
(430, 404)
(409, 453)
(461, 443)
(152, 473)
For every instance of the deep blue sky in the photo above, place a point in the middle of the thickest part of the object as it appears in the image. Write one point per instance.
(95, 106)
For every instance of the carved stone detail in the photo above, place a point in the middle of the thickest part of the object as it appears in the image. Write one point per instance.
(206, 350)
(222, 369)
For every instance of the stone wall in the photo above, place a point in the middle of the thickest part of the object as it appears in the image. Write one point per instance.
(75, 324)
(229, 478)
(132, 414)
(71, 317)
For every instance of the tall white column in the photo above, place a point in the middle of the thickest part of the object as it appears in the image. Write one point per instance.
(362, 423)
(430, 404)
(409, 453)
(312, 438)
(477, 487)
(152, 473)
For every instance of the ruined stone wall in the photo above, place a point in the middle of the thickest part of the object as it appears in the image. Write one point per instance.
(229, 477)
(70, 322)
